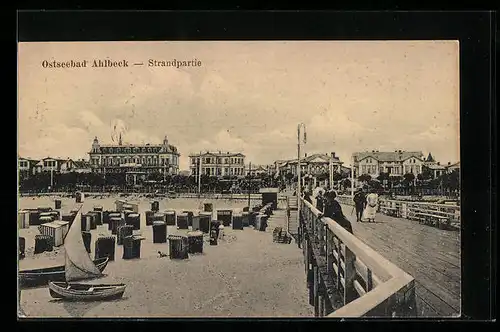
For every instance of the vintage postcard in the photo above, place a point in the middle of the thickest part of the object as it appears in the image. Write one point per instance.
(239, 179)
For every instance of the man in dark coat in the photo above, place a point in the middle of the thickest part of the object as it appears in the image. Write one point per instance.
(320, 201)
(360, 203)
(307, 196)
(333, 210)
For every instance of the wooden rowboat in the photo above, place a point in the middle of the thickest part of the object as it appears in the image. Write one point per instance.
(40, 277)
(86, 292)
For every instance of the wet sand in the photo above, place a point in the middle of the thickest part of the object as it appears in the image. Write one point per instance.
(245, 275)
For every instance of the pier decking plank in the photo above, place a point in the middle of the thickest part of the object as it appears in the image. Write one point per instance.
(430, 255)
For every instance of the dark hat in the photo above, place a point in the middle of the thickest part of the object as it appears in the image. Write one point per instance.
(331, 194)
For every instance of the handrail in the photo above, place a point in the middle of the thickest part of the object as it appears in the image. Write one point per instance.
(404, 209)
(393, 293)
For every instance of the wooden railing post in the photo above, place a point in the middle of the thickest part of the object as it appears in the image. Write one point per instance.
(316, 290)
(349, 276)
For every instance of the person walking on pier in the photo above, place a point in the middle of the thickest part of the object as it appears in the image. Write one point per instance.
(307, 196)
(371, 207)
(360, 203)
(333, 210)
(320, 200)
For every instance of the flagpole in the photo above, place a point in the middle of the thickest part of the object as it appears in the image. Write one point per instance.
(199, 177)
(249, 174)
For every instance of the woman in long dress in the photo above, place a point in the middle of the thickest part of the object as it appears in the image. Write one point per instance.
(371, 207)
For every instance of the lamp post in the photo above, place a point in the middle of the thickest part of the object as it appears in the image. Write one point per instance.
(352, 175)
(300, 125)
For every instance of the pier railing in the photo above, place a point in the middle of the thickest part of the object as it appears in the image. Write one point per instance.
(447, 215)
(346, 278)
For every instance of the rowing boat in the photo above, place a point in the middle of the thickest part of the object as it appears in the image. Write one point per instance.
(86, 292)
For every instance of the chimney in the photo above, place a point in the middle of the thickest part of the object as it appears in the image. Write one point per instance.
(333, 154)
(305, 154)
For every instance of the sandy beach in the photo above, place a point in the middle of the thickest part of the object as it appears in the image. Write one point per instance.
(245, 275)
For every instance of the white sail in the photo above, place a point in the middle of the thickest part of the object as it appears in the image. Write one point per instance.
(78, 263)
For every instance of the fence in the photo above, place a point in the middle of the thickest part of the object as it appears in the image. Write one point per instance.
(346, 278)
(438, 214)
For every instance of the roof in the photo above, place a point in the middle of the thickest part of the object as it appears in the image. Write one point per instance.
(218, 154)
(53, 224)
(430, 158)
(387, 156)
(457, 164)
(434, 166)
(81, 164)
(310, 158)
(157, 147)
(28, 159)
(53, 158)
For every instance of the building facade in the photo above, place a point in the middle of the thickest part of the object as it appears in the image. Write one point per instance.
(434, 167)
(395, 163)
(257, 170)
(49, 164)
(134, 158)
(316, 164)
(77, 166)
(217, 164)
(26, 166)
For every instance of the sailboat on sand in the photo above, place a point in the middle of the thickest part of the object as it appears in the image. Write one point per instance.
(79, 266)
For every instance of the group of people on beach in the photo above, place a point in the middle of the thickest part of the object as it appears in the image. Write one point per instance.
(365, 203)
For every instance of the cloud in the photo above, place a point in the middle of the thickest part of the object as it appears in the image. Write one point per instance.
(90, 120)
(69, 142)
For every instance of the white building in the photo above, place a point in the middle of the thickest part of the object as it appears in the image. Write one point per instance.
(395, 163)
(78, 166)
(49, 164)
(218, 164)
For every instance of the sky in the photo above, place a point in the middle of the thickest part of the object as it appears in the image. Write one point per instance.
(245, 97)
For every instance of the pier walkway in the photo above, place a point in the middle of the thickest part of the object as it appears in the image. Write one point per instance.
(428, 254)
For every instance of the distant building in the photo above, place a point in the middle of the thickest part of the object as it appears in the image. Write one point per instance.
(453, 167)
(49, 164)
(435, 168)
(315, 164)
(218, 164)
(78, 166)
(259, 169)
(395, 163)
(134, 158)
(26, 166)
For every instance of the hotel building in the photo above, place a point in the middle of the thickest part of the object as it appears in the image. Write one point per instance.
(217, 164)
(134, 158)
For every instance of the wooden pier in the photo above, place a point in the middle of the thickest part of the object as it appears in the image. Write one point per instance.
(427, 254)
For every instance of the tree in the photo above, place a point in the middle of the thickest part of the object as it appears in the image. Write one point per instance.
(426, 173)
(409, 178)
(383, 176)
(364, 178)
